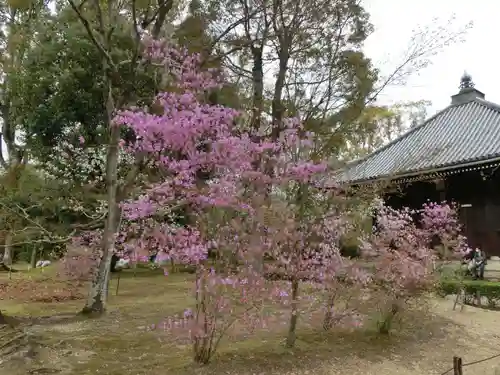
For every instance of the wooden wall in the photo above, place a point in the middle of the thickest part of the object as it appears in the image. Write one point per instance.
(478, 193)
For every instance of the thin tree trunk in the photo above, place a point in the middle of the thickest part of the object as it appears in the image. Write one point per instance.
(3, 319)
(384, 327)
(277, 107)
(258, 88)
(256, 121)
(328, 320)
(7, 254)
(34, 251)
(97, 298)
(165, 7)
(290, 340)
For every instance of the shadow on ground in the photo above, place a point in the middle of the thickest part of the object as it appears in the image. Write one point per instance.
(121, 343)
(114, 345)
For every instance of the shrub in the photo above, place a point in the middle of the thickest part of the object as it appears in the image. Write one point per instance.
(488, 289)
(350, 248)
(401, 248)
(78, 264)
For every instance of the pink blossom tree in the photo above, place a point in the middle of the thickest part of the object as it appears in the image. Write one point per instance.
(207, 168)
(303, 236)
(442, 224)
(235, 205)
(81, 258)
(402, 252)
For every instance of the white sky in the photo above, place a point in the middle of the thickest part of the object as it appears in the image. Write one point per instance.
(394, 21)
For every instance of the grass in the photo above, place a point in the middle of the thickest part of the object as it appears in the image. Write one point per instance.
(120, 343)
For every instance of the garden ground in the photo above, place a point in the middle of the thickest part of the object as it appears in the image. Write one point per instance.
(121, 344)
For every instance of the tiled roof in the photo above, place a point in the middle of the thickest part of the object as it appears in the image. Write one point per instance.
(461, 134)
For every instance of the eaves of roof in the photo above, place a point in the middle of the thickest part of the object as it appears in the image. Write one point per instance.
(460, 135)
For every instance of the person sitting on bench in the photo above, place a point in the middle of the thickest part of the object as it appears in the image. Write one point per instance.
(480, 259)
(476, 263)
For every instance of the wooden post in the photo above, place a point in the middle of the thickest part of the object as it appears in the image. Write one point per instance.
(478, 298)
(460, 299)
(457, 366)
(441, 188)
(457, 299)
(118, 283)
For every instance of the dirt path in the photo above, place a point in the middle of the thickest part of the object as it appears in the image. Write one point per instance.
(472, 334)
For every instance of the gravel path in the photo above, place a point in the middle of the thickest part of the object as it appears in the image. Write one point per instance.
(472, 334)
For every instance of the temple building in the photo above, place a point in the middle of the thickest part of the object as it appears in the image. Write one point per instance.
(453, 156)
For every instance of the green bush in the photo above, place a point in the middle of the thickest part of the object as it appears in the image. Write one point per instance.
(349, 247)
(450, 271)
(488, 289)
(350, 251)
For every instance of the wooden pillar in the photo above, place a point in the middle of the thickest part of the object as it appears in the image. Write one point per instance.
(441, 188)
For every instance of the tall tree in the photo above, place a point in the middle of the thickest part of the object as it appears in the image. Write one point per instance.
(376, 126)
(72, 136)
(102, 22)
(20, 21)
(306, 58)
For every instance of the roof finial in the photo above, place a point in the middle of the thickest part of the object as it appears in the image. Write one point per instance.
(466, 82)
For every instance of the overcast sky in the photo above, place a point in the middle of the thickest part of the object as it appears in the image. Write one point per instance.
(394, 21)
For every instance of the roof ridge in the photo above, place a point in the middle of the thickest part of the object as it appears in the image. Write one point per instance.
(487, 104)
(404, 135)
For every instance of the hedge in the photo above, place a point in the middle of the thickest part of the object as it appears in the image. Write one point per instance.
(488, 289)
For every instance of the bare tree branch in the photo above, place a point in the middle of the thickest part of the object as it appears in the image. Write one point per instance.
(164, 7)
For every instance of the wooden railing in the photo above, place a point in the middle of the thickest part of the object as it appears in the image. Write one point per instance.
(458, 364)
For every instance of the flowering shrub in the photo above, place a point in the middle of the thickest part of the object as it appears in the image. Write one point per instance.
(441, 222)
(78, 264)
(222, 301)
(402, 251)
(237, 208)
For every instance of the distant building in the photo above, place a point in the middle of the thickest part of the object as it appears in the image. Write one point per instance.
(452, 156)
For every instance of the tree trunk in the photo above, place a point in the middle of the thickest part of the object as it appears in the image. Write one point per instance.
(103, 26)
(7, 254)
(163, 9)
(256, 121)
(290, 340)
(328, 320)
(3, 319)
(385, 325)
(34, 250)
(277, 107)
(173, 268)
(258, 88)
(97, 298)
